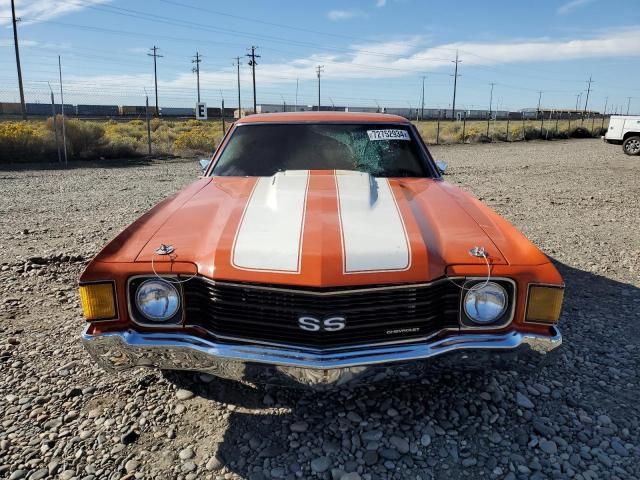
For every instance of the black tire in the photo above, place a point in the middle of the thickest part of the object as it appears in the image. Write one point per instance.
(631, 146)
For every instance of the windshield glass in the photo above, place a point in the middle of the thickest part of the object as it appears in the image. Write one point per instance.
(265, 149)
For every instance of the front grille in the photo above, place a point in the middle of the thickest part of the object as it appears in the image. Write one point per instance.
(271, 314)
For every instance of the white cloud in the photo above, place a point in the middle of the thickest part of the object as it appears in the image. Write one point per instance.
(337, 15)
(381, 3)
(573, 5)
(390, 59)
(27, 43)
(31, 11)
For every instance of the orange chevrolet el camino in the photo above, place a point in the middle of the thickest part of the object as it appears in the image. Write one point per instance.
(321, 249)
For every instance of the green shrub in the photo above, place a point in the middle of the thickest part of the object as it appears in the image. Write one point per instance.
(82, 137)
(579, 132)
(119, 147)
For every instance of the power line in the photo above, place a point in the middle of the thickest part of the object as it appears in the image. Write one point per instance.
(155, 56)
(197, 59)
(15, 42)
(252, 64)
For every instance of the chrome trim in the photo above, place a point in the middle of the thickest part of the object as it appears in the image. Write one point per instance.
(355, 290)
(246, 340)
(115, 299)
(333, 292)
(176, 325)
(489, 327)
(526, 302)
(249, 341)
(127, 349)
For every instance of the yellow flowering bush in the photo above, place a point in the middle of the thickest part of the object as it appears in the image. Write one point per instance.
(24, 142)
(200, 138)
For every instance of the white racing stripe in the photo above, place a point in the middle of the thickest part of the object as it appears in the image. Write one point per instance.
(374, 237)
(269, 237)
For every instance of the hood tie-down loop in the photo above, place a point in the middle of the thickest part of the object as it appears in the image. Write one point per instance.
(167, 251)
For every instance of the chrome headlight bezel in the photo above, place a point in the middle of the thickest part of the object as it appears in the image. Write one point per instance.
(137, 312)
(507, 289)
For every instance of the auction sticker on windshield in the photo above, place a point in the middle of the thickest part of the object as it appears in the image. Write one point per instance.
(388, 135)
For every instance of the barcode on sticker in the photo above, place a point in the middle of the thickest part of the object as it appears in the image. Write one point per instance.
(388, 135)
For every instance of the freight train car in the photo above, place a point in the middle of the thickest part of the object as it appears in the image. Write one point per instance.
(44, 109)
(97, 110)
(214, 112)
(177, 112)
(136, 110)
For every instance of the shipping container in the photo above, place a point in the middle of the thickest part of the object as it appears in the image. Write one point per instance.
(10, 108)
(135, 110)
(44, 109)
(177, 112)
(97, 110)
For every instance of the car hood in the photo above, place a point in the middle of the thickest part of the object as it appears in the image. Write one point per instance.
(322, 228)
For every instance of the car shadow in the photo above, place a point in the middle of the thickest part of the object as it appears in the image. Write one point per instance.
(458, 425)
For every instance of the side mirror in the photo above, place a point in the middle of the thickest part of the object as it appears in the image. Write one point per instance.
(204, 164)
(442, 166)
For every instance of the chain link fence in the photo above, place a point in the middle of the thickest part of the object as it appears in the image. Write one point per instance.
(94, 128)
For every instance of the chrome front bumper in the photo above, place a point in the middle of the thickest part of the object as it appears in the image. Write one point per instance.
(291, 366)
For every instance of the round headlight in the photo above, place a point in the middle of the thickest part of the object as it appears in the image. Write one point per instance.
(484, 304)
(157, 300)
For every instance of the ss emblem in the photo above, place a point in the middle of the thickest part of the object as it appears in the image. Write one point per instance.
(329, 324)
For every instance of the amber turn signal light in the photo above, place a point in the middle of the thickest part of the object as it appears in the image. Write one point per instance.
(98, 301)
(544, 304)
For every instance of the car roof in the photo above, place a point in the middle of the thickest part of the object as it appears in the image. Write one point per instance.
(322, 117)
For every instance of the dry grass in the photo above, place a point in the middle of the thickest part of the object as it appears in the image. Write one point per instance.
(476, 130)
(34, 141)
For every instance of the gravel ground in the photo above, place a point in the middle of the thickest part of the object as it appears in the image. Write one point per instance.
(62, 417)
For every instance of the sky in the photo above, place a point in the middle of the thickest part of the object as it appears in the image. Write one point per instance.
(373, 52)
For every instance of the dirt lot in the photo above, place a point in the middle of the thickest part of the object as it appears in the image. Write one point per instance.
(62, 417)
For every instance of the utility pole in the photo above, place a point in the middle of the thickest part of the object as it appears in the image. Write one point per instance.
(55, 123)
(491, 100)
(578, 100)
(15, 43)
(295, 107)
(490, 108)
(284, 103)
(224, 126)
(539, 100)
(604, 112)
(146, 115)
(455, 85)
(155, 55)
(239, 103)
(252, 64)
(628, 104)
(319, 70)
(422, 101)
(64, 132)
(586, 102)
(197, 59)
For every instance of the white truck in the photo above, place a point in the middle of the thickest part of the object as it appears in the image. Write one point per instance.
(624, 130)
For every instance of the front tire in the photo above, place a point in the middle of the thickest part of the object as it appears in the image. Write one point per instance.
(631, 146)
